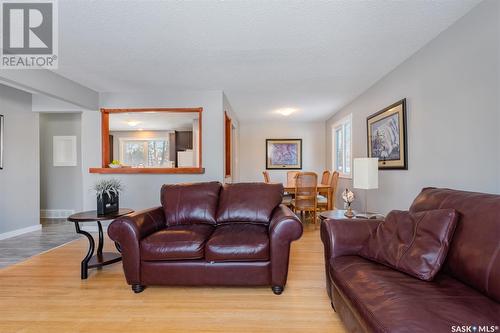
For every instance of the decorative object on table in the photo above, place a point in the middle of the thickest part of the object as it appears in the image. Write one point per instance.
(365, 178)
(348, 198)
(387, 139)
(1, 142)
(283, 154)
(107, 192)
(115, 164)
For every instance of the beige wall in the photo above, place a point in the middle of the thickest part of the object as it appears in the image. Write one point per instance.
(451, 86)
(253, 147)
(19, 179)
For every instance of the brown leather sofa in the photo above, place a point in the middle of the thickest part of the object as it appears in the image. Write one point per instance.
(371, 297)
(209, 234)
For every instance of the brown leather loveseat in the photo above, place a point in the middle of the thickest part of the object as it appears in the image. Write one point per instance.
(209, 234)
(462, 297)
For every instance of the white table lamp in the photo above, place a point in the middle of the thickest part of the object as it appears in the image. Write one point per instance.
(365, 177)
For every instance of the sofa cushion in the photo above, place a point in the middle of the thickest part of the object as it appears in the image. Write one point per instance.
(176, 243)
(238, 242)
(474, 256)
(390, 301)
(414, 243)
(248, 202)
(190, 203)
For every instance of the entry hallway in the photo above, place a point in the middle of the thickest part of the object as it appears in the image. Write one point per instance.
(45, 294)
(54, 232)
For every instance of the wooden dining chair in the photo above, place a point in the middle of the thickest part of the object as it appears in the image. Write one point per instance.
(325, 178)
(290, 178)
(267, 179)
(323, 200)
(306, 190)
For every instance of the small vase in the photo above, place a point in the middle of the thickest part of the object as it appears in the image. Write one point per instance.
(107, 204)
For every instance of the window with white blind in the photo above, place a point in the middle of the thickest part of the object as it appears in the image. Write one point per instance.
(342, 147)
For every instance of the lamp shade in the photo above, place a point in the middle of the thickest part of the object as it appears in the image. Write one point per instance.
(365, 173)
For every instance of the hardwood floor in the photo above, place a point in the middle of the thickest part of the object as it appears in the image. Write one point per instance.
(45, 294)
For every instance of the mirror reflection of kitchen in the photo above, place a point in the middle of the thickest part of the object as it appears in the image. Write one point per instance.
(154, 139)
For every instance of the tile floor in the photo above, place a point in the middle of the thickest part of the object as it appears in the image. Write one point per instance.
(54, 232)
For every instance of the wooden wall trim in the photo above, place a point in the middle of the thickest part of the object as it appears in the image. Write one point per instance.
(105, 157)
(147, 170)
(227, 144)
(105, 139)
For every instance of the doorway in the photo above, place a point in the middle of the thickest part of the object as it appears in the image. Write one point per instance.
(60, 166)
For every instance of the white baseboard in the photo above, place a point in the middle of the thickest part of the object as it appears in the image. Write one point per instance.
(21, 231)
(55, 213)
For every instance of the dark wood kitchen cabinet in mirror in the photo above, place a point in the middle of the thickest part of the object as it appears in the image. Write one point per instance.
(153, 140)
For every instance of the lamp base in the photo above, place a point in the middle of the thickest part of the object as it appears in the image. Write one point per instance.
(349, 213)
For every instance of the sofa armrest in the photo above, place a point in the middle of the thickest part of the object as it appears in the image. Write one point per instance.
(285, 225)
(128, 231)
(346, 237)
(284, 228)
(342, 238)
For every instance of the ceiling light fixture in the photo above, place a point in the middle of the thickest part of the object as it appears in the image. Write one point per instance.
(132, 123)
(286, 111)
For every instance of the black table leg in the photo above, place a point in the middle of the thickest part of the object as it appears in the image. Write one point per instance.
(101, 239)
(85, 261)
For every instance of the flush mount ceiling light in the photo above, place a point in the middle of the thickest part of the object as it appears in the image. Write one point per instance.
(286, 111)
(132, 123)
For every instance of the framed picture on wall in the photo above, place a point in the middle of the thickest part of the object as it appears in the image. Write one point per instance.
(387, 136)
(1, 142)
(283, 154)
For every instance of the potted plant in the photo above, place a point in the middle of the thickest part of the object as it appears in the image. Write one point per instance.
(107, 193)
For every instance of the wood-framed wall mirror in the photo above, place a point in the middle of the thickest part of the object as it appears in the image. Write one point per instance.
(153, 140)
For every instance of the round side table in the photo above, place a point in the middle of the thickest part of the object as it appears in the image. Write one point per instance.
(337, 214)
(101, 258)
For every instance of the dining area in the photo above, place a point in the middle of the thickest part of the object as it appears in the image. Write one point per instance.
(307, 194)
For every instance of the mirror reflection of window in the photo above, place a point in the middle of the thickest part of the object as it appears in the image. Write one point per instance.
(150, 153)
(154, 139)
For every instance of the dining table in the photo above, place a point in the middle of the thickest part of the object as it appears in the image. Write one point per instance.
(324, 189)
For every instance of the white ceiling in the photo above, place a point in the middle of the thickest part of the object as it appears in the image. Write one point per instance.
(312, 55)
(158, 121)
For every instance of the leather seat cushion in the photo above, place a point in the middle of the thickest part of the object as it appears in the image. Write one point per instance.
(176, 243)
(391, 301)
(238, 242)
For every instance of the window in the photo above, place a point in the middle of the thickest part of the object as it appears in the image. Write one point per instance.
(148, 153)
(342, 146)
